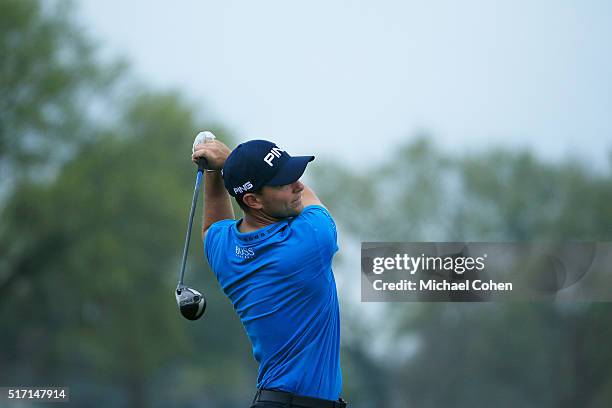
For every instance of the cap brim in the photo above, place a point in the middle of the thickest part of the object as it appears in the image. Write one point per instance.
(291, 171)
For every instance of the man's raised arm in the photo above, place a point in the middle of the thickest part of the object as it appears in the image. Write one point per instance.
(309, 197)
(217, 202)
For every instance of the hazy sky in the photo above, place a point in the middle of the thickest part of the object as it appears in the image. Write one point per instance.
(351, 79)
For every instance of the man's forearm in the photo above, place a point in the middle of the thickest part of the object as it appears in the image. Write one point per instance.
(217, 202)
(309, 197)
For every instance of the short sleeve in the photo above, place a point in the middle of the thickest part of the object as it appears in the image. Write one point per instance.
(324, 229)
(211, 241)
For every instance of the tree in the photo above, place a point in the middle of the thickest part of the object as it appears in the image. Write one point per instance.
(104, 241)
(93, 219)
(466, 355)
(49, 73)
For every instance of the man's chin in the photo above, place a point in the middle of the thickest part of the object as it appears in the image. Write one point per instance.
(295, 211)
(291, 212)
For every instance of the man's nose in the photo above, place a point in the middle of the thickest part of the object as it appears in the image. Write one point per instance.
(298, 186)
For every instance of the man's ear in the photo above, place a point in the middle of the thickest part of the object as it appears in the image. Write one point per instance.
(252, 201)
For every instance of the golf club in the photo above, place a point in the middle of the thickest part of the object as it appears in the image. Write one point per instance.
(190, 301)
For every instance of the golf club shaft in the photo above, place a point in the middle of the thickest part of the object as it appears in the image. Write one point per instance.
(194, 202)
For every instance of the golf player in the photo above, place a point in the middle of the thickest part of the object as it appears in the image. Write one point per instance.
(274, 264)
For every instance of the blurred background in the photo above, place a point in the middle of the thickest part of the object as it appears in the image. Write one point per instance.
(480, 121)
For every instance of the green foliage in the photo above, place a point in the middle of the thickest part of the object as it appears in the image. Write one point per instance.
(89, 257)
(89, 252)
(476, 355)
(106, 238)
(516, 197)
(47, 77)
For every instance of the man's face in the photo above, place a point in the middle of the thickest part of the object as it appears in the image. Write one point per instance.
(282, 201)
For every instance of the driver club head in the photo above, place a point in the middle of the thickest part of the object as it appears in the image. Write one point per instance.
(191, 302)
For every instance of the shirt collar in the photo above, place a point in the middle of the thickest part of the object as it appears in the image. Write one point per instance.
(258, 235)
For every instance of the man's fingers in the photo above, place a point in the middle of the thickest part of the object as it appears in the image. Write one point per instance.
(197, 155)
(213, 151)
(200, 149)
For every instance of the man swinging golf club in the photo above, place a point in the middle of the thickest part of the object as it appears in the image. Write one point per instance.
(274, 264)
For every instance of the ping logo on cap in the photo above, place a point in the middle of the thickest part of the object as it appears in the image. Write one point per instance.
(274, 153)
(262, 163)
(243, 188)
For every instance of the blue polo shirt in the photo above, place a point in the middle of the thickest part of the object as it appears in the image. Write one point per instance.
(280, 281)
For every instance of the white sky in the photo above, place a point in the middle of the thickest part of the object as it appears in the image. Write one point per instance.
(351, 79)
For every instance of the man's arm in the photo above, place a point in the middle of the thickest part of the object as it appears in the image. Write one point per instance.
(217, 203)
(322, 224)
(309, 197)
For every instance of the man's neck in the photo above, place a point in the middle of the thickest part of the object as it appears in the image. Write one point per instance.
(253, 222)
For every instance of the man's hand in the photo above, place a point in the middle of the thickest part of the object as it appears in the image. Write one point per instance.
(213, 151)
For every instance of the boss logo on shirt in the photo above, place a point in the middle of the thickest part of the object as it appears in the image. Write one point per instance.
(274, 153)
(244, 253)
